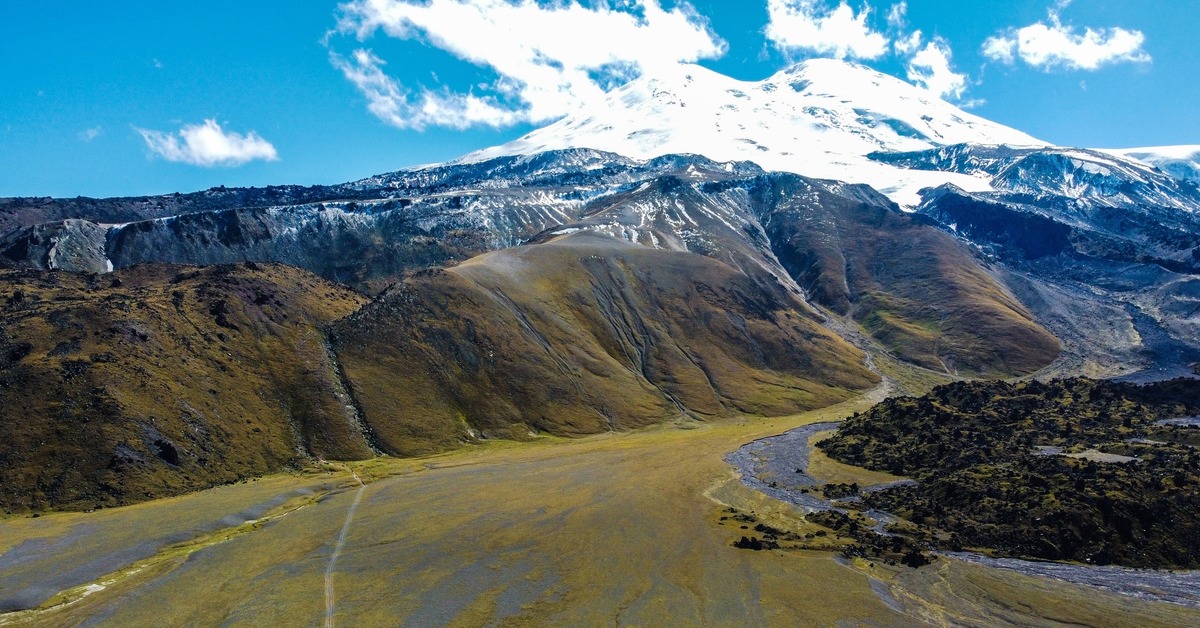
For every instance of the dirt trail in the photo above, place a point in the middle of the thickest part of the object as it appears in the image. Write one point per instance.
(337, 551)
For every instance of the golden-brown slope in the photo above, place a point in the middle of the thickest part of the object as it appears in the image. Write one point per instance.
(584, 334)
(157, 380)
(925, 296)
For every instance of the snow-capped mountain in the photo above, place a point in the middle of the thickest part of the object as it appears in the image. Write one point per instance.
(820, 118)
(1083, 179)
(1103, 248)
(1182, 162)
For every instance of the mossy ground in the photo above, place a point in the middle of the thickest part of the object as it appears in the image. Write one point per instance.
(1123, 491)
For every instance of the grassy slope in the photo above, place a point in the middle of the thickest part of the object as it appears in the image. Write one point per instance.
(581, 335)
(923, 295)
(158, 380)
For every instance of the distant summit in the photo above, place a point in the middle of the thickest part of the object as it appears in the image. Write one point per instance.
(1182, 162)
(819, 118)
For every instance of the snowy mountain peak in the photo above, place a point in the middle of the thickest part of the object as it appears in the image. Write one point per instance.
(819, 118)
(834, 77)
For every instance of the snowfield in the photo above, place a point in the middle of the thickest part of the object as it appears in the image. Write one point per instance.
(819, 118)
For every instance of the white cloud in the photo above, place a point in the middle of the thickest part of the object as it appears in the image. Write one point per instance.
(898, 16)
(930, 68)
(87, 135)
(394, 105)
(549, 60)
(1051, 45)
(810, 25)
(927, 63)
(208, 145)
(908, 45)
(999, 48)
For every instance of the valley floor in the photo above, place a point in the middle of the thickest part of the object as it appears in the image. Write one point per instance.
(619, 528)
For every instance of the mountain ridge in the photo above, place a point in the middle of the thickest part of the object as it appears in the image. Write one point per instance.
(1181, 161)
(819, 118)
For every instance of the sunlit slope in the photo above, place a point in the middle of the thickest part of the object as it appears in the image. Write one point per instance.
(925, 296)
(157, 380)
(584, 334)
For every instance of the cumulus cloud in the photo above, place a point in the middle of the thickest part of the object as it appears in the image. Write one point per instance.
(1000, 48)
(930, 68)
(813, 26)
(550, 60)
(1053, 45)
(927, 63)
(208, 145)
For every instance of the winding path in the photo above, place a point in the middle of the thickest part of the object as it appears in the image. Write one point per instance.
(337, 551)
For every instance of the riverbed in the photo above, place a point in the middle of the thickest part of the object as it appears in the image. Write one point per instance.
(776, 467)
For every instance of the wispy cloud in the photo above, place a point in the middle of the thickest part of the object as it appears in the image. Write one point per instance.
(208, 145)
(814, 26)
(1051, 44)
(898, 15)
(908, 44)
(549, 60)
(87, 135)
(398, 107)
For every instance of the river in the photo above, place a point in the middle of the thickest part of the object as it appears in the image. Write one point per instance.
(776, 467)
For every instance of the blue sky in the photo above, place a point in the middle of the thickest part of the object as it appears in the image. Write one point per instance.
(123, 98)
